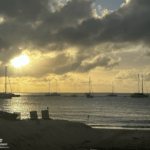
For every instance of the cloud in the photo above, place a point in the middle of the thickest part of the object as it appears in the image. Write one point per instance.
(127, 74)
(31, 25)
(60, 64)
(47, 26)
(124, 4)
(99, 62)
(129, 24)
(147, 54)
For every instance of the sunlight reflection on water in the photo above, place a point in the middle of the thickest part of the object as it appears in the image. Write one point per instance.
(109, 111)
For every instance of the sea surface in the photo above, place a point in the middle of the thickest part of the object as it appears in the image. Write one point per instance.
(100, 111)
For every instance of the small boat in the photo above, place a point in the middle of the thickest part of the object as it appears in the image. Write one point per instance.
(14, 95)
(48, 94)
(6, 95)
(75, 90)
(9, 116)
(74, 95)
(52, 94)
(112, 94)
(139, 95)
(88, 95)
(55, 94)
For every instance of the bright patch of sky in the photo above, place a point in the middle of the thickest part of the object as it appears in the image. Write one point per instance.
(109, 4)
(103, 5)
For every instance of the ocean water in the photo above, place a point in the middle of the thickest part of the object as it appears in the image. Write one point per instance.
(103, 111)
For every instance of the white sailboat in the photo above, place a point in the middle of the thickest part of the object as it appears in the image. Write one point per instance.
(88, 95)
(139, 95)
(6, 95)
(53, 94)
(75, 92)
(48, 94)
(112, 94)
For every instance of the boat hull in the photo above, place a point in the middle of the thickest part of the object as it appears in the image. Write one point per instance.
(53, 94)
(15, 95)
(112, 95)
(8, 95)
(88, 95)
(139, 95)
(74, 95)
(8, 116)
(5, 96)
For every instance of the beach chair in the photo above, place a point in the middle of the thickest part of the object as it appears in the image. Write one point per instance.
(45, 114)
(33, 115)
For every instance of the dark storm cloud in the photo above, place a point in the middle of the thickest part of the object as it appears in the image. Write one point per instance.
(99, 62)
(23, 10)
(41, 67)
(60, 64)
(127, 24)
(31, 24)
(147, 54)
(42, 25)
(85, 67)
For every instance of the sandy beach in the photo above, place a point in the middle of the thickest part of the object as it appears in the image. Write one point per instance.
(66, 135)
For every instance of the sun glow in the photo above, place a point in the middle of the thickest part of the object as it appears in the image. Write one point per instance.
(22, 60)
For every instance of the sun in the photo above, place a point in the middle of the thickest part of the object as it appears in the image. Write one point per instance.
(22, 60)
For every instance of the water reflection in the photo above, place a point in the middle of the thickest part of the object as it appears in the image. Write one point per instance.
(102, 110)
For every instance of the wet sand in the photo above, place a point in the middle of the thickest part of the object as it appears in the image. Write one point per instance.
(66, 135)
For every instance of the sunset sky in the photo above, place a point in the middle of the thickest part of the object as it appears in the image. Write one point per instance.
(68, 41)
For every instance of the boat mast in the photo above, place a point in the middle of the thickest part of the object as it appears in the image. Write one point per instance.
(138, 84)
(10, 85)
(112, 88)
(5, 79)
(74, 88)
(75, 92)
(89, 86)
(57, 88)
(49, 86)
(142, 83)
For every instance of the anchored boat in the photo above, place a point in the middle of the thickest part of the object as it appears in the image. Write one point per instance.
(139, 95)
(52, 94)
(112, 94)
(9, 116)
(88, 95)
(6, 95)
(75, 92)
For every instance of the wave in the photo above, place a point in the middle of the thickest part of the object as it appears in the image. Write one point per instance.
(124, 126)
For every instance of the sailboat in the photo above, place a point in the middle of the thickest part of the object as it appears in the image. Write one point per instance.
(48, 94)
(112, 94)
(75, 92)
(9, 116)
(139, 95)
(52, 94)
(6, 95)
(12, 94)
(88, 95)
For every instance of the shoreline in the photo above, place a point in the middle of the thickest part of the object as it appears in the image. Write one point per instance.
(67, 135)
